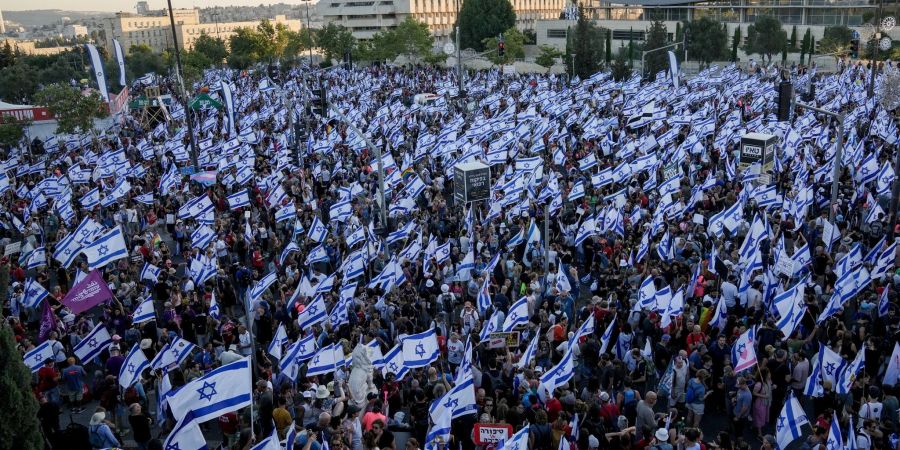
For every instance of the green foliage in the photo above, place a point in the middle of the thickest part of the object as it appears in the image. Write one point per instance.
(411, 38)
(7, 56)
(141, 60)
(768, 37)
(548, 56)
(792, 45)
(266, 43)
(707, 40)
(210, 47)
(18, 83)
(735, 43)
(333, 40)
(514, 42)
(484, 19)
(19, 426)
(805, 46)
(530, 37)
(587, 45)
(751, 37)
(608, 53)
(657, 36)
(75, 112)
(836, 41)
(784, 54)
(12, 130)
(678, 32)
(299, 42)
(621, 68)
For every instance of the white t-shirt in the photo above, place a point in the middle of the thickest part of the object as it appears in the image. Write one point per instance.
(871, 410)
(455, 351)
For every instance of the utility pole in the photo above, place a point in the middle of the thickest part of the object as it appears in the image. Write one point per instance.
(184, 99)
(309, 32)
(459, 70)
(838, 155)
(875, 42)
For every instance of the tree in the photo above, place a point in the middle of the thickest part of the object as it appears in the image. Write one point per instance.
(678, 31)
(657, 36)
(836, 41)
(193, 64)
(784, 54)
(299, 42)
(411, 38)
(769, 38)
(74, 111)
(141, 60)
(608, 53)
(513, 42)
(751, 37)
(587, 45)
(621, 68)
(793, 44)
(735, 43)
(334, 39)
(18, 83)
(804, 47)
(7, 56)
(12, 130)
(213, 48)
(548, 56)
(707, 41)
(483, 19)
(19, 427)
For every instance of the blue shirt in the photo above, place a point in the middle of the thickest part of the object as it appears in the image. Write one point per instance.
(742, 402)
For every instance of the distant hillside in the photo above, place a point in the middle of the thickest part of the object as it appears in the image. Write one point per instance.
(39, 17)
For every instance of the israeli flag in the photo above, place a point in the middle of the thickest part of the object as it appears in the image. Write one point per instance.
(93, 344)
(792, 417)
(131, 369)
(109, 247)
(298, 352)
(223, 390)
(38, 258)
(34, 293)
(202, 236)
(606, 339)
(846, 377)
(420, 349)
(144, 312)
(518, 441)
(214, 306)
(257, 291)
(271, 442)
(325, 361)
(187, 435)
(442, 253)
(285, 213)
(35, 358)
(91, 199)
(291, 247)
(150, 272)
(196, 207)
(314, 313)
(146, 199)
(834, 441)
(530, 351)
(518, 315)
(317, 230)
(743, 354)
(393, 363)
(239, 199)
(586, 329)
(340, 211)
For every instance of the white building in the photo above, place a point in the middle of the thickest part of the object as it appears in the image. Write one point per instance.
(2, 24)
(366, 17)
(73, 31)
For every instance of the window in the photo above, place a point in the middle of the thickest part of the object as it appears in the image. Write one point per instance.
(556, 33)
(624, 35)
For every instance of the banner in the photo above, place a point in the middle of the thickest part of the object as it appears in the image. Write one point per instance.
(120, 58)
(673, 68)
(97, 63)
(229, 107)
(48, 322)
(91, 291)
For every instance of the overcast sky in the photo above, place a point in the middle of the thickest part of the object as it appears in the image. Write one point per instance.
(125, 5)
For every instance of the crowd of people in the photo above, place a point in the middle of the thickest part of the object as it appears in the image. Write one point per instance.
(634, 280)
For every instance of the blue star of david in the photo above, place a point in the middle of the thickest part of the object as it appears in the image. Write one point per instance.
(312, 309)
(85, 233)
(30, 293)
(741, 349)
(174, 446)
(92, 342)
(37, 358)
(103, 250)
(393, 367)
(420, 350)
(204, 395)
(513, 317)
(829, 368)
(67, 252)
(451, 403)
(865, 171)
(318, 229)
(316, 361)
(131, 368)
(302, 348)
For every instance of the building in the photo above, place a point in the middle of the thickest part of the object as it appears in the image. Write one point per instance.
(2, 24)
(73, 31)
(155, 30)
(29, 48)
(630, 19)
(366, 17)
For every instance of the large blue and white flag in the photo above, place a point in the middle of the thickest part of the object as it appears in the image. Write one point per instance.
(34, 293)
(38, 258)
(518, 315)
(846, 377)
(743, 354)
(144, 312)
(420, 349)
(186, 436)
(518, 441)
(317, 230)
(271, 442)
(788, 427)
(325, 361)
(221, 391)
(97, 64)
(107, 248)
(131, 369)
(150, 272)
(285, 213)
(531, 350)
(91, 199)
(257, 291)
(277, 344)
(561, 373)
(606, 339)
(315, 312)
(35, 358)
(202, 236)
(196, 207)
(301, 350)
(393, 363)
(835, 441)
(93, 344)
(239, 199)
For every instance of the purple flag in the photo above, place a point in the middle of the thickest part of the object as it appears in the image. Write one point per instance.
(48, 321)
(91, 291)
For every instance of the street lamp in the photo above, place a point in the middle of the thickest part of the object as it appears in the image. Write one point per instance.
(215, 15)
(184, 100)
(889, 98)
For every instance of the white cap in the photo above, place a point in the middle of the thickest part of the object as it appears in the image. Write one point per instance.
(593, 442)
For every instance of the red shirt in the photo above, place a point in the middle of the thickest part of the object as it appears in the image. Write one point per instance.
(228, 423)
(47, 378)
(553, 408)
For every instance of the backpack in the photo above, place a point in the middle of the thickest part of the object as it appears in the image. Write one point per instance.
(95, 437)
(691, 393)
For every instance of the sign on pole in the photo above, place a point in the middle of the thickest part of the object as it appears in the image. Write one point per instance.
(491, 433)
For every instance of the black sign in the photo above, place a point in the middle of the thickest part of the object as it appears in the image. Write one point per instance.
(478, 184)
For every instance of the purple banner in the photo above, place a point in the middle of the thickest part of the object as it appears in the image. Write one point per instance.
(91, 291)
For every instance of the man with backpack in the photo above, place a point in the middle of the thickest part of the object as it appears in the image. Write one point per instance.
(100, 434)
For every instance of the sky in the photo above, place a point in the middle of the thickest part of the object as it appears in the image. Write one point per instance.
(126, 5)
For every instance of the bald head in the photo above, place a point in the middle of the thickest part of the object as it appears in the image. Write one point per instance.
(650, 398)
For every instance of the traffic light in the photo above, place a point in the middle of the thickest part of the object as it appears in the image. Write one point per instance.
(319, 102)
(785, 101)
(854, 48)
(501, 49)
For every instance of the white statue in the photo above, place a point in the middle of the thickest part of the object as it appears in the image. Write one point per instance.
(361, 383)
